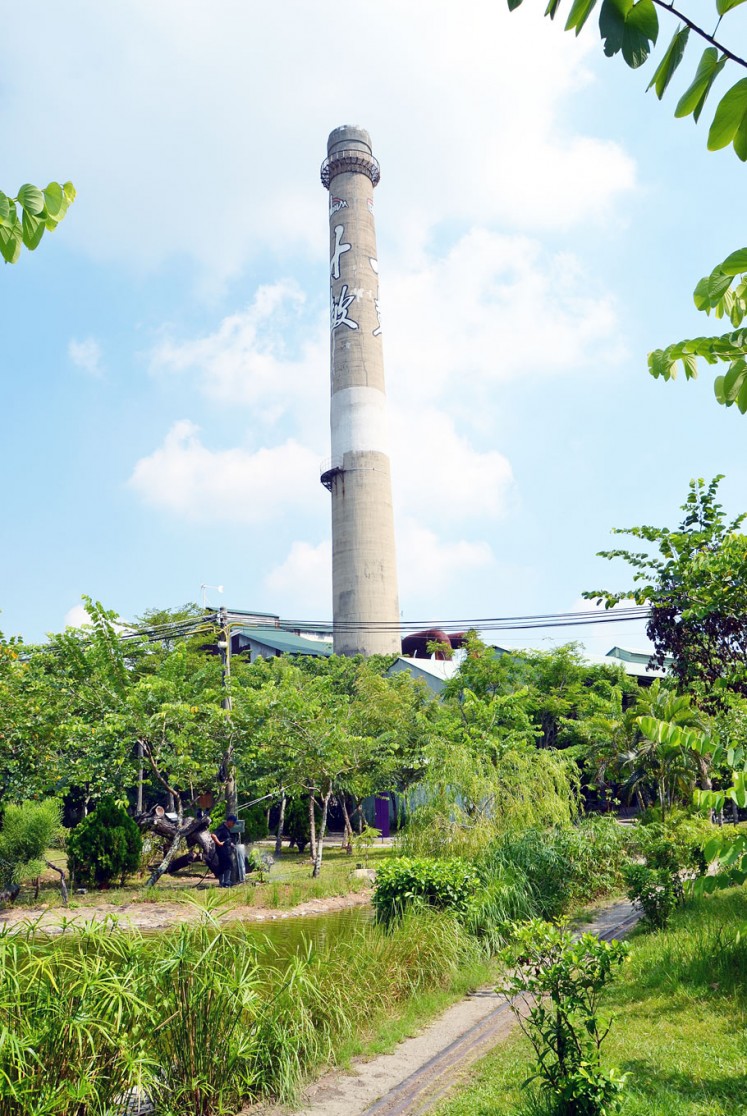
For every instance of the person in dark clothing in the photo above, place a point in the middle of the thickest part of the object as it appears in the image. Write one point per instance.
(222, 838)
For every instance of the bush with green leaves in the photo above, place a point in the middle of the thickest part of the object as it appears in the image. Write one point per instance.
(671, 853)
(448, 885)
(676, 844)
(554, 990)
(27, 832)
(105, 846)
(657, 892)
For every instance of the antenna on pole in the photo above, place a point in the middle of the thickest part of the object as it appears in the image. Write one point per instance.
(204, 589)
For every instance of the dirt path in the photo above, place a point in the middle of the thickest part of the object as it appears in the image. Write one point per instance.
(160, 916)
(421, 1070)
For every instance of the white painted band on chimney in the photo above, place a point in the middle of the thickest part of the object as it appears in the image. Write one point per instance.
(359, 421)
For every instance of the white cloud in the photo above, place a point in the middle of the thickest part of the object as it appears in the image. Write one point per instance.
(491, 309)
(431, 565)
(188, 479)
(86, 355)
(76, 617)
(302, 584)
(201, 134)
(439, 477)
(271, 356)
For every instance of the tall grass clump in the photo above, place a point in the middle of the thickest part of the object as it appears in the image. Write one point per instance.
(323, 998)
(559, 867)
(704, 950)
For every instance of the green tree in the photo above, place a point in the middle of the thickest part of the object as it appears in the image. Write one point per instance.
(105, 846)
(695, 584)
(631, 28)
(27, 831)
(40, 211)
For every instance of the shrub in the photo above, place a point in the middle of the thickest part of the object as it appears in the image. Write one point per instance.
(655, 890)
(448, 885)
(676, 846)
(105, 846)
(672, 854)
(554, 991)
(27, 832)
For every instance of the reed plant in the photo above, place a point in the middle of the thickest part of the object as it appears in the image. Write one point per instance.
(203, 987)
(71, 1013)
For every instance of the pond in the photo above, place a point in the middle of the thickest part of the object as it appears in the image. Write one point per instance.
(282, 937)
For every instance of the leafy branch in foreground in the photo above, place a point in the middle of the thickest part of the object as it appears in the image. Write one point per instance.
(724, 292)
(554, 990)
(632, 29)
(40, 210)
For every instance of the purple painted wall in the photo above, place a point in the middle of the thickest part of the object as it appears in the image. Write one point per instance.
(382, 815)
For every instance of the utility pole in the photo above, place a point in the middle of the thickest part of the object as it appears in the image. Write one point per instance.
(224, 646)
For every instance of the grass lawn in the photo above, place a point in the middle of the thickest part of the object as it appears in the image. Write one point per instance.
(288, 883)
(680, 1008)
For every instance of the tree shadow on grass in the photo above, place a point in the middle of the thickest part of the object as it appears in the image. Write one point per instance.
(673, 1085)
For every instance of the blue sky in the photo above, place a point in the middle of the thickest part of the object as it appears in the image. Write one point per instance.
(541, 224)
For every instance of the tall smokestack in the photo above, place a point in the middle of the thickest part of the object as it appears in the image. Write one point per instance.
(365, 605)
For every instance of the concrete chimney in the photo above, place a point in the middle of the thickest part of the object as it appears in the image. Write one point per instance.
(365, 604)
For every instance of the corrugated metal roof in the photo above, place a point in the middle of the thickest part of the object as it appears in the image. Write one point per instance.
(631, 656)
(434, 672)
(285, 642)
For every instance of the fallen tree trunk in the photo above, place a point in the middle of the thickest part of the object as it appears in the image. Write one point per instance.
(193, 832)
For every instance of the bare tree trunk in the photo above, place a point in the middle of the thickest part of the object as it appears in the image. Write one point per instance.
(173, 848)
(63, 885)
(281, 823)
(139, 799)
(705, 778)
(320, 839)
(734, 812)
(312, 826)
(359, 811)
(347, 837)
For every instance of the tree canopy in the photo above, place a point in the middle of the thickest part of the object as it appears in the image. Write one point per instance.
(696, 585)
